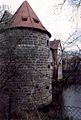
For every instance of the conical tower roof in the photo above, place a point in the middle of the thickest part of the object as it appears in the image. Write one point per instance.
(26, 17)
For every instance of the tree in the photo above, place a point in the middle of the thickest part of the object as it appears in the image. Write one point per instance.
(71, 10)
(3, 8)
(68, 11)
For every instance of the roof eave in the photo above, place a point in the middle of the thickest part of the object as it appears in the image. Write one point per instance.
(42, 30)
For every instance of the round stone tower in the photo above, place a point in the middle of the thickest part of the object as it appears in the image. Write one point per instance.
(26, 55)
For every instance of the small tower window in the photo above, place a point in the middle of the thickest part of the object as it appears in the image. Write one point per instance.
(36, 86)
(47, 42)
(47, 87)
(24, 18)
(51, 63)
(36, 20)
(48, 66)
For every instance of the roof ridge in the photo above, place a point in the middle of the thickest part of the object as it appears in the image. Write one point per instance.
(26, 17)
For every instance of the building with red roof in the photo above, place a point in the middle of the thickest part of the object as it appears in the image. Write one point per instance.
(26, 17)
(56, 49)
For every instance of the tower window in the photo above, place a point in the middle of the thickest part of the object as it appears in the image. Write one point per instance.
(48, 66)
(36, 20)
(24, 18)
(47, 42)
(47, 87)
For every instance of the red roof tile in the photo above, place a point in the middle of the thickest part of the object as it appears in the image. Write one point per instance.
(26, 17)
(54, 44)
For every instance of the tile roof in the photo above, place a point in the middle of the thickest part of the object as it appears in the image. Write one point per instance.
(26, 17)
(54, 44)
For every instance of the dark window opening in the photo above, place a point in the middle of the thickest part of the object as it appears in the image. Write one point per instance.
(47, 42)
(24, 18)
(35, 20)
(48, 66)
(47, 87)
(36, 86)
(53, 85)
(51, 63)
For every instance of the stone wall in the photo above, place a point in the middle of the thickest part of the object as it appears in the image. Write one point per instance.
(24, 53)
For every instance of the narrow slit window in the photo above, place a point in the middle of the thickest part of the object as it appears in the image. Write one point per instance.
(48, 66)
(47, 42)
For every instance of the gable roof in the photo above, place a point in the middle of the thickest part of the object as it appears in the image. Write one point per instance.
(55, 44)
(26, 17)
(6, 16)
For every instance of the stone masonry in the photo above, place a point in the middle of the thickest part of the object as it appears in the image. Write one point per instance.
(24, 75)
(26, 50)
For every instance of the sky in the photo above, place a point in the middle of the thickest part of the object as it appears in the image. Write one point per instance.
(61, 22)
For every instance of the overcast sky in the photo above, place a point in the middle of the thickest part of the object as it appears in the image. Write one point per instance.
(59, 22)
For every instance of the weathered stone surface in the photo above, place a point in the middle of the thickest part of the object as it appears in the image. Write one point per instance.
(25, 54)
